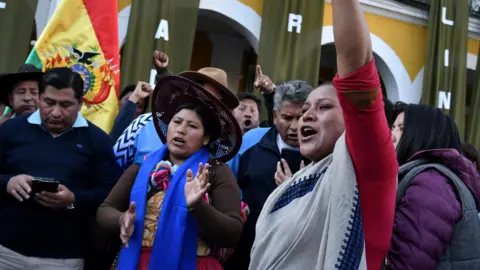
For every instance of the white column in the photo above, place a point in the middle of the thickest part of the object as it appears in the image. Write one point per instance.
(53, 6)
(123, 18)
(44, 12)
(41, 15)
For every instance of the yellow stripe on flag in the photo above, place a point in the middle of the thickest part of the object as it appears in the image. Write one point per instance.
(70, 40)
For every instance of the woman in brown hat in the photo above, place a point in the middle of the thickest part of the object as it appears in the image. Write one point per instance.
(182, 211)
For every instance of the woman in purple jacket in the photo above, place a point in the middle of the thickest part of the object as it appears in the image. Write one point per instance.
(430, 208)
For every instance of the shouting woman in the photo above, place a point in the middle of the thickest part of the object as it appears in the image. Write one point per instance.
(438, 199)
(336, 213)
(182, 211)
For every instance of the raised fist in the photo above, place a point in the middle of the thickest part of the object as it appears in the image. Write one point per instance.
(142, 91)
(160, 60)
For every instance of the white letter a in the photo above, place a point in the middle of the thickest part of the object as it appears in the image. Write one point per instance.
(162, 30)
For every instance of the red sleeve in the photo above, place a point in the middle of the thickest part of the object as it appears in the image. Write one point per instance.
(370, 145)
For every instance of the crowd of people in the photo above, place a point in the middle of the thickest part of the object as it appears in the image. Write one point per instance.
(337, 177)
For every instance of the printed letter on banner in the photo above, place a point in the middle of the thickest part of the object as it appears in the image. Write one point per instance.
(444, 99)
(295, 20)
(162, 30)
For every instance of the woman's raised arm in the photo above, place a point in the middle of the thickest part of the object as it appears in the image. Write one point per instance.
(367, 133)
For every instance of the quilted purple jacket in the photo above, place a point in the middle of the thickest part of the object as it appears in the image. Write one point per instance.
(427, 214)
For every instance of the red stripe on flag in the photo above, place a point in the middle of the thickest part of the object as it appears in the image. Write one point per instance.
(104, 17)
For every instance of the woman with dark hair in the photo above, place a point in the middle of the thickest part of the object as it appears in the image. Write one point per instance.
(180, 209)
(436, 224)
(472, 154)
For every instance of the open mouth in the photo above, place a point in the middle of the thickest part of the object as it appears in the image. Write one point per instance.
(178, 141)
(247, 123)
(307, 131)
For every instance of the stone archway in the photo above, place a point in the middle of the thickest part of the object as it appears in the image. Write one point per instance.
(244, 19)
(394, 75)
(223, 43)
(218, 22)
(328, 66)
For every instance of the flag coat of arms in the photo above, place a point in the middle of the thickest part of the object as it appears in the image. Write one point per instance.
(83, 35)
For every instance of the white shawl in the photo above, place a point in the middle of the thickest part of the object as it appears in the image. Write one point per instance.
(313, 220)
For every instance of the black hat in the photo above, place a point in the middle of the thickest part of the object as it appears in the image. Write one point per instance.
(26, 72)
(173, 91)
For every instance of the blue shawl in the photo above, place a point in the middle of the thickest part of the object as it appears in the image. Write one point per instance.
(175, 244)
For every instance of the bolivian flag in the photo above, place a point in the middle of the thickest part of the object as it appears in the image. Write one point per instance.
(83, 35)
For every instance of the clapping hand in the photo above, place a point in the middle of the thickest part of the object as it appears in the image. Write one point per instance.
(160, 60)
(263, 82)
(283, 174)
(127, 224)
(196, 188)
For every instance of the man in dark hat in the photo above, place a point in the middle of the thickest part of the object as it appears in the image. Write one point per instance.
(20, 90)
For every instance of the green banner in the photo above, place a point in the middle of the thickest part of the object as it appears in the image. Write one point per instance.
(167, 25)
(473, 127)
(445, 78)
(290, 39)
(16, 25)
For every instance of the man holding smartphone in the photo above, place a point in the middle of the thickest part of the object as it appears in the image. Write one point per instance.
(55, 170)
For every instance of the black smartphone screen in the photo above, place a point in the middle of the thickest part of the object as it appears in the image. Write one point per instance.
(44, 184)
(293, 159)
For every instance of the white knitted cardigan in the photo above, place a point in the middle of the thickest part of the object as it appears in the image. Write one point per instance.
(313, 220)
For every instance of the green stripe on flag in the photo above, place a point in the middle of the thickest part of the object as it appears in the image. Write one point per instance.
(34, 59)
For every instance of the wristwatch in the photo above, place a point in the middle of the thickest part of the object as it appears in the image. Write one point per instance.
(71, 206)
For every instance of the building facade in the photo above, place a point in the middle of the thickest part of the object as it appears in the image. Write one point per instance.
(228, 34)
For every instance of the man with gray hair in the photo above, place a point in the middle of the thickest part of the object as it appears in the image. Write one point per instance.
(257, 165)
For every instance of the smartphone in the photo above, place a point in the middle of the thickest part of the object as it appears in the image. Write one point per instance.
(293, 159)
(40, 184)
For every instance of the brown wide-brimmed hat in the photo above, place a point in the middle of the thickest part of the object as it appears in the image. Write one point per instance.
(216, 77)
(26, 72)
(173, 91)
